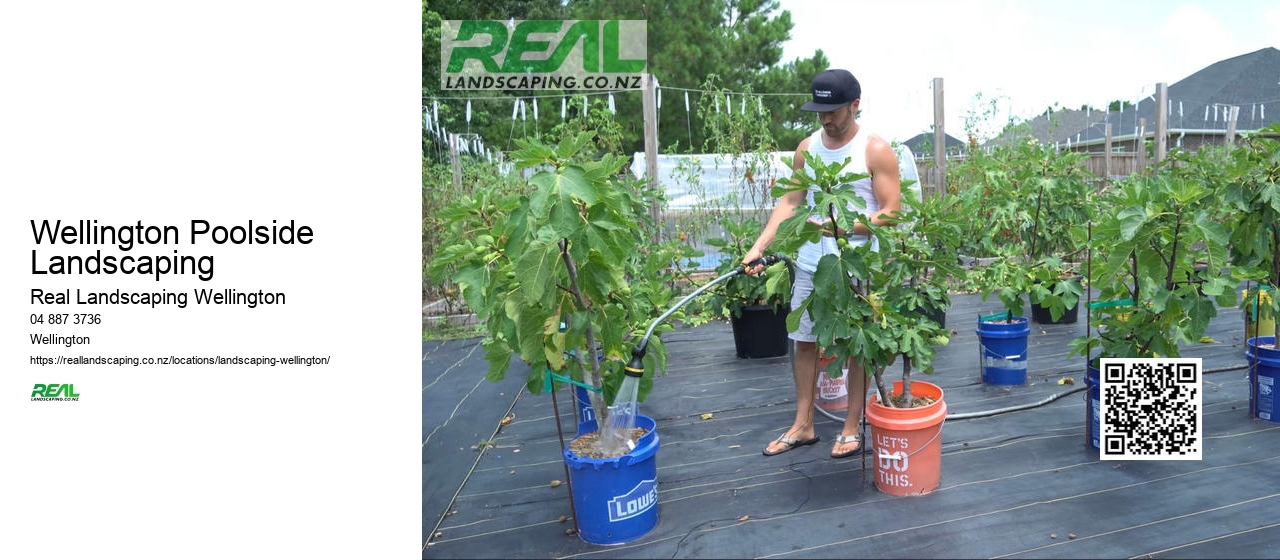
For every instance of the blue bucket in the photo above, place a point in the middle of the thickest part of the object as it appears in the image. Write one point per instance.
(1002, 351)
(1264, 375)
(616, 499)
(583, 400)
(1094, 396)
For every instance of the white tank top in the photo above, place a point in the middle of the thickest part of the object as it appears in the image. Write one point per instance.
(856, 150)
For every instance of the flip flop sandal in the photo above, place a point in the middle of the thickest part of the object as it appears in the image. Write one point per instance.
(790, 443)
(844, 440)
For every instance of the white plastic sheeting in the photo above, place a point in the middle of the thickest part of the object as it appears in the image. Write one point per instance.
(720, 181)
(717, 181)
(722, 184)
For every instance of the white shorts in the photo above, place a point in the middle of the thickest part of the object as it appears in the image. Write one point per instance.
(800, 290)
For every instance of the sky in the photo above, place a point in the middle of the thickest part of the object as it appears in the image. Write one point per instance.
(1002, 58)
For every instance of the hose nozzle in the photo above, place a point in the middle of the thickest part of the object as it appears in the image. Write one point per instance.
(635, 368)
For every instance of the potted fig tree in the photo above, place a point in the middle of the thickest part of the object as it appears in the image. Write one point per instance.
(741, 147)
(756, 305)
(1032, 205)
(994, 254)
(1146, 248)
(871, 311)
(1056, 236)
(564, 280)
(1253, 196)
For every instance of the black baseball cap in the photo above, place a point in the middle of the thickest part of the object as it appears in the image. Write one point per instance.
(833, 89)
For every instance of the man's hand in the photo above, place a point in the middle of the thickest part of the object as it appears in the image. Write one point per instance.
(828, 228)
(752, 256)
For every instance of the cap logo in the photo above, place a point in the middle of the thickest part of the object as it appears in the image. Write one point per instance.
(822, 93)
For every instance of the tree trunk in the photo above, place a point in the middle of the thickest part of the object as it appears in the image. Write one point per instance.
(884, 393)
(906, 382)
(588, 362)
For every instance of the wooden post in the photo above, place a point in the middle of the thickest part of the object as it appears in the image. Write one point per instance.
(453, 159)
(1140, 145)
(939, 139)
(1162, 121)
(651, 145)
(1106, 158)
(1232, 111)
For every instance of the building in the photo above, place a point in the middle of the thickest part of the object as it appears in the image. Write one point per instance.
(1229, 97)
(922, 145)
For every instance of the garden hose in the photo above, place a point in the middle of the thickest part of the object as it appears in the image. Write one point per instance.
(1049, 399)
(635, 368)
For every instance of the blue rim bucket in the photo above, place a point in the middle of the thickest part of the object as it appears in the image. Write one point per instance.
(1002, 349)
(1094, 396)
(1264, 377)
(616, 499)
(583, 400)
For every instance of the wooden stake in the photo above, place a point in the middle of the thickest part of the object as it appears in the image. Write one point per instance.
(1162, 121)
(939, 138)
(453, 159)
(1231, 111)
(1106, 159)
(651, 146)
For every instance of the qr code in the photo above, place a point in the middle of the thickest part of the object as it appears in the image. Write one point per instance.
(1150, 409)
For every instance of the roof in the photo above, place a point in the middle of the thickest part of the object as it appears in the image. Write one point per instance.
(1196, 103)
(919, 142)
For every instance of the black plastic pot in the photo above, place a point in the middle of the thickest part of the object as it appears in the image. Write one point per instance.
(761, 332)
(1041, 315)
(1070, 315)
(938, 316)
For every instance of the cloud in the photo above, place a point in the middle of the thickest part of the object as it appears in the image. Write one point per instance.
(1032, 54)
(1193, 33)
(1271, 20)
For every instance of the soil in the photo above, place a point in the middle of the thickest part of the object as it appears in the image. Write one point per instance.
(916, 402)
(585, 445)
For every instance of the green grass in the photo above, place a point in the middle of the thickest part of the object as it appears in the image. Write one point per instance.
(444, 330)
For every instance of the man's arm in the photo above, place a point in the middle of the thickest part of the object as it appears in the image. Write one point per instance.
(886, 184)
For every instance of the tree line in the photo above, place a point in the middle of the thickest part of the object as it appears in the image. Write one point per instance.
(739, 42)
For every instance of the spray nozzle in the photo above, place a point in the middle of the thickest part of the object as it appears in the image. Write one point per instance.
(635, 368)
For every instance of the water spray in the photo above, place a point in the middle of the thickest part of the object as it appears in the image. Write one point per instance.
(615, 438)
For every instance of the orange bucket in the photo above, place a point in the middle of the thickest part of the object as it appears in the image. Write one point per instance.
(908, 442)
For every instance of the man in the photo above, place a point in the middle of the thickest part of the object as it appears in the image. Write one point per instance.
(836, 98)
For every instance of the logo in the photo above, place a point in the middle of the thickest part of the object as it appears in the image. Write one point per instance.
(635, 502)
(542, 54)
(54, 392)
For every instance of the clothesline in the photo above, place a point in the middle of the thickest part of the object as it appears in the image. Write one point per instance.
(1213, 111)
(1211, 107)
(607, 92)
